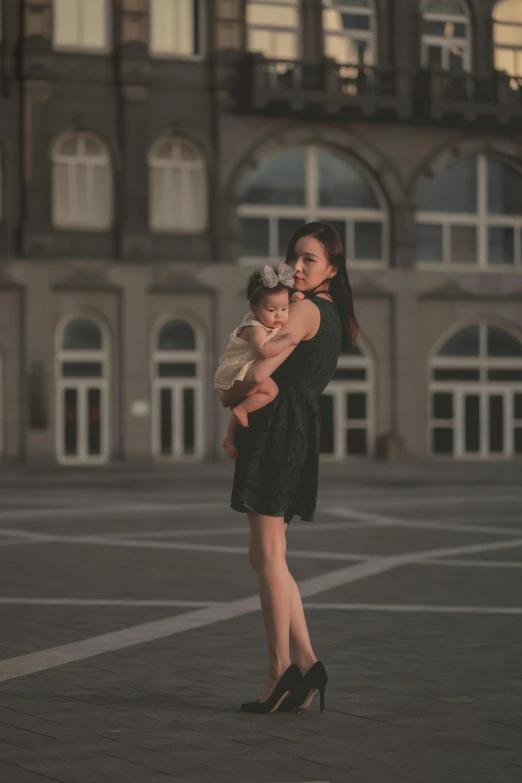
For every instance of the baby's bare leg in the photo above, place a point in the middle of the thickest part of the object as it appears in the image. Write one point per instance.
(229, 444)
(265, 393)
(237, 393)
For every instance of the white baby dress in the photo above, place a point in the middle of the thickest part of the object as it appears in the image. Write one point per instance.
(239, 355)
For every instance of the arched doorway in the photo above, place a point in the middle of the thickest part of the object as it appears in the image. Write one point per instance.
(82, 364)
(476, 394)
(177, 422)
(347, 419)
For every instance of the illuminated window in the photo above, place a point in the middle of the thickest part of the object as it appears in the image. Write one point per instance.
(176, 27)
(81, 24)
(349, 31)
(272, 28)
(446, 35)
(507, 31)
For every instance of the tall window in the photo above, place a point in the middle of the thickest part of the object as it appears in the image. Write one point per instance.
(82, 369)
(81, 24)
(446, 35)
(177, 187)
(273, 28)
(471, 215)
(82, 183)
(476, 394)
(349, 31)
(310, 183)
(177, 430)
(176, 27)
(507, 30)
(347, 405)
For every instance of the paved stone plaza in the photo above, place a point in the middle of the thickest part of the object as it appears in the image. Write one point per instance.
(131, 630)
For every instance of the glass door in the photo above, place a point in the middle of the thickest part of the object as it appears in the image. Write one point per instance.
(484, 423)
(176, 422)
(82, 431)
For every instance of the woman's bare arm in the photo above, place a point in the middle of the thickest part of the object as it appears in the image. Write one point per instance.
(303, 322)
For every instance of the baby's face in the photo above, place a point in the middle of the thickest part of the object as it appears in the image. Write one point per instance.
(272, 309)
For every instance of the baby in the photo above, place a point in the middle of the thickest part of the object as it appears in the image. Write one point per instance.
(255, 338)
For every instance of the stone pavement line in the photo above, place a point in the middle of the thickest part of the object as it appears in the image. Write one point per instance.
(153, 603)
(31, 663)
(475, 563)
(8, 601)
(117, 509)
(386, 521)
(424, 608)
(43, 538)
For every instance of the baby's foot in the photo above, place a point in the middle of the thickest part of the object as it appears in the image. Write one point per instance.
(230, 448)
(241, 415)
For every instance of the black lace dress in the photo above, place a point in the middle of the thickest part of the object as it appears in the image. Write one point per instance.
(277, 464)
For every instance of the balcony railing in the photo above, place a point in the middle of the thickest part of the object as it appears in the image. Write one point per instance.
(441, 93)
(267, 84)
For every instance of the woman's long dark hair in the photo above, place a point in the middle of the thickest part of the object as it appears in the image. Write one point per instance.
(339, 286)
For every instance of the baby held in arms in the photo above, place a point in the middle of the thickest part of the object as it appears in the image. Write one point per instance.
(268, 293)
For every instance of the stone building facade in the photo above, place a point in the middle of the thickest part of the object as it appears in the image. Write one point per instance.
(153, 152)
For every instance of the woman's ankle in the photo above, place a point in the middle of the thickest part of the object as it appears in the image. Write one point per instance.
(305, 663)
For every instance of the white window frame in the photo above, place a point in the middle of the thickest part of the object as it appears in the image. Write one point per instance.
(338, 389)
(482, 221)
(275, 30)
(82, 8)
(186, 168)
(370, 36)
(445, 44)
(81, 385)
(482, 387)
(517, 77)
(90, 221)
(312, 211)
(199, 7)
(177, 385)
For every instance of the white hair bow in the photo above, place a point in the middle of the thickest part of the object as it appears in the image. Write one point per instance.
(284, 275)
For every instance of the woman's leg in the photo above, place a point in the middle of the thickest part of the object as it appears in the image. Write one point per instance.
(302, 651)
(268, 557)
(264, 394)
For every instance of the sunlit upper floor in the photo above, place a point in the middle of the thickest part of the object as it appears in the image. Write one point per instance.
(350, 29)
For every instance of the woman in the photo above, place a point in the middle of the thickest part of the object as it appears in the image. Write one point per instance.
(278, 456)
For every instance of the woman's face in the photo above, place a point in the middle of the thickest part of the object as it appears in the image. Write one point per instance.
(310, 264)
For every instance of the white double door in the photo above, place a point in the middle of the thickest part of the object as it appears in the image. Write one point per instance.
(177, 419)
(485, 422)
(82, 424)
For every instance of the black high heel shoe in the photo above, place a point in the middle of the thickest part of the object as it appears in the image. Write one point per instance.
(288, 683)
(314, 680)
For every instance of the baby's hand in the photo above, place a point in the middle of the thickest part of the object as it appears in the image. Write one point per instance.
(297, 296)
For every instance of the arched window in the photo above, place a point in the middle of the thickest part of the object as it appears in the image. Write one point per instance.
(176, 27)
(347, 405)
(81, 24)
(446, 35)
(476, 393)
(82, 183)
(310, 183)
(178, 427)
(272, 28)
(507, 33)
(82, 334)
(177, 187)
(82, 379)
(471, 215)
(349, 29)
